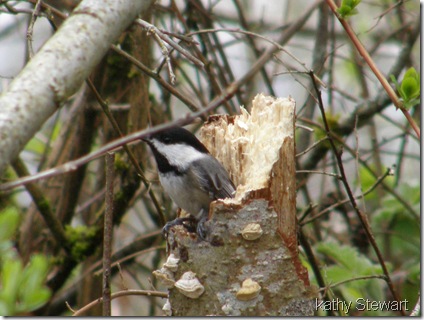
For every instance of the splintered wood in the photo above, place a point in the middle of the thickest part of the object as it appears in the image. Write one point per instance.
(258, 151)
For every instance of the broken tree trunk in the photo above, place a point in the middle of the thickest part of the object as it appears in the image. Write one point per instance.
(250, 266)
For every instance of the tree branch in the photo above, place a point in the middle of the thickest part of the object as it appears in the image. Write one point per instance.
(59, 68)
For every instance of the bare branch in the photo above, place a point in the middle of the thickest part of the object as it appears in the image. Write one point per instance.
(118, 294)
(107, 233)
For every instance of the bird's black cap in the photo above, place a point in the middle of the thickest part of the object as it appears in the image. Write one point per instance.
(177, 135)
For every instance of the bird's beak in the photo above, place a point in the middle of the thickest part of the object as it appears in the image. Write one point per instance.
(146, 139)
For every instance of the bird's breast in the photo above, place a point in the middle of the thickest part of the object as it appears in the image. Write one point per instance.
(186, 196)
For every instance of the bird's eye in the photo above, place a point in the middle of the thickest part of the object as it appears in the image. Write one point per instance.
(166, 139)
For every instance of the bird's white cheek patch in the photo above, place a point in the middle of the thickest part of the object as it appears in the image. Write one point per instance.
(179, 155)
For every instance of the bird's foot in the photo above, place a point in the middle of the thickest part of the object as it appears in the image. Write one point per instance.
(189, 223)
(202, 229)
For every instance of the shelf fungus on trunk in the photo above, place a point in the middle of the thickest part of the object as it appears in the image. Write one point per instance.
(252, 231)
(189, 285)
(249, 290)
(250, 265)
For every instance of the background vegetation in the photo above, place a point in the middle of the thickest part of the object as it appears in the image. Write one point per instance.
(358, 156)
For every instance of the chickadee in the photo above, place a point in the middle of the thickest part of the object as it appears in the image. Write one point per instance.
(189, 174)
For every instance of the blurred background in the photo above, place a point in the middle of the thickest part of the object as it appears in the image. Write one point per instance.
(380, 151)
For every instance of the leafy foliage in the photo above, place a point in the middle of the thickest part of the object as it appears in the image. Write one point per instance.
(410, 88)
(348, 263)
(22, 287)
(399, 231)
(348, 8)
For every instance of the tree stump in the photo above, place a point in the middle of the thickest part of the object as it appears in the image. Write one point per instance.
(250, 266)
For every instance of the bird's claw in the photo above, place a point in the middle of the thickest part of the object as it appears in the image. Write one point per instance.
(187, 222)
(202, 229)
(190, 224)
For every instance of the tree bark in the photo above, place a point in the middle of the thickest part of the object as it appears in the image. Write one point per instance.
(250, 265)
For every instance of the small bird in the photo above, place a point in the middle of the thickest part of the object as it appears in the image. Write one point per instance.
(189, 174)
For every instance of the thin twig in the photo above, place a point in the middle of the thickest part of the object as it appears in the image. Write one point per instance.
(400, 156)
(301, 126)
(30, 30)
(107, 233)
(51, 9)
(164, 49)
(69, 307)
(121, 277)
(12, 10)
(335, 175)
(123, 293)
(316, 143)
(129, 257)
(377, 276)
(161, 35)
(360, 214)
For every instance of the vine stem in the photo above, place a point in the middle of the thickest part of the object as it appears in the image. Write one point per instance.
(364, 53)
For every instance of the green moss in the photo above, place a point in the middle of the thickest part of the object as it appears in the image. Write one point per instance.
(81, 239)
(119, 196)
(120, 164)
(332, 120)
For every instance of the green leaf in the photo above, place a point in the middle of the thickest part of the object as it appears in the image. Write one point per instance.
(344, 11)
(5, 309)
(410, 89)
(398, 230)
(33, 294)
(347, 8)
(350, 264)
(408, 105)
(23, 289)
(10, 279)
(9, 221)
(34, 299)
(35, 273)
(412, 73)
(349, 259)
(35, 146)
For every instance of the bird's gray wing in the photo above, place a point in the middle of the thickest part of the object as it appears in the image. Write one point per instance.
(214, 179)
